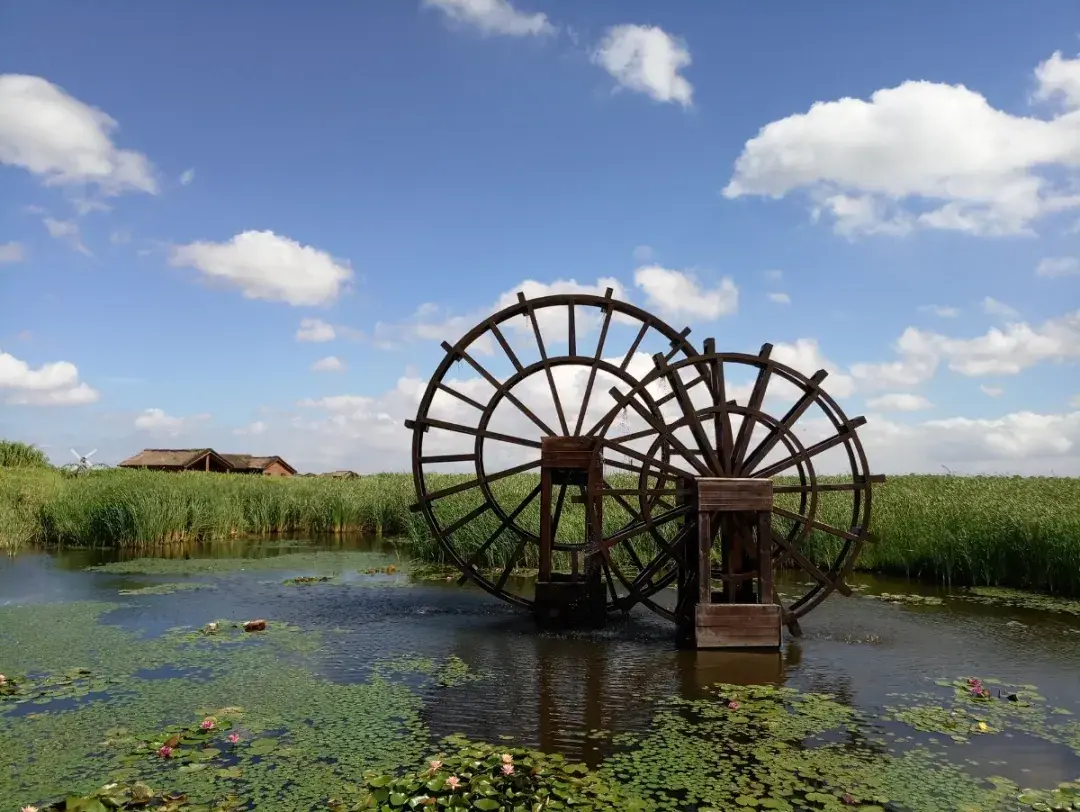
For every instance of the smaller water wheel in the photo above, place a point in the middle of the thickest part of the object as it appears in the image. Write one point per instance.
(757, 502)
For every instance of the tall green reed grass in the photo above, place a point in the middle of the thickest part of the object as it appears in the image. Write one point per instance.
(986, 531)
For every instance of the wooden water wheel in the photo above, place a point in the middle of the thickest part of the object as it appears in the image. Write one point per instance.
(641, 473)
(493, 515)
(715, 440)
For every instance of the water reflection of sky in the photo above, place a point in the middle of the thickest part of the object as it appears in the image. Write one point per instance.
(550, 689)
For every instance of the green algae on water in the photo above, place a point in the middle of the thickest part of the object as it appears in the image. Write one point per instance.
(166, 589)
(326, 562)
(1019, 599)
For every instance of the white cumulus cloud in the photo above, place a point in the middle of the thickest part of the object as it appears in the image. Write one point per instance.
(494, 17)
(156, 421)
(899, 402)
(330, 363)
(11, 252)
(1051, 267)
(53, 384)
(315, 330)
(646, 59)
(50, 133)
(679, 294)
(921, 155)
(265, 265)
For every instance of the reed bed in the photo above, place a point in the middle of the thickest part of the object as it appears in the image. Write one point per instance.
(986, 531)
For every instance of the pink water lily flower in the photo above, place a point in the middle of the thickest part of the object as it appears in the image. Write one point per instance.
(453, 782)
(234, 738)
(3, 679)
(208, 724)
(165, 751)
(508, 769)
(434, 764)
(28, 807)
(507, 758)
(733, 705)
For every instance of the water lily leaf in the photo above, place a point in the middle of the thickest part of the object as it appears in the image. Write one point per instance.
(486, 804)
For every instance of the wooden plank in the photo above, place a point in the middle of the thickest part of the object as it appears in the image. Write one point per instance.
(579, 460)
(546, 541)
(556, 443)
(740, 610)
(707, 638)
(737, 626)
(734, 494)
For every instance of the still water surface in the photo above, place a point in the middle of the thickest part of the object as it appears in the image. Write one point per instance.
(551, 689)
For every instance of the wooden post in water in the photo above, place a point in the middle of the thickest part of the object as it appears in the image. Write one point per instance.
(741, 509)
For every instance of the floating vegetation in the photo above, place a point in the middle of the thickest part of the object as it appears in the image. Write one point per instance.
(308, 579)
(41, 690)
(1016, 598)
(167, 589)
(977, 706)
(775, 748)
(181, 722)
(449, 672)
(326, 562)
(491, 778)
(912, 599)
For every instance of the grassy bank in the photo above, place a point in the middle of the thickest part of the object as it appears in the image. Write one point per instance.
(987, 531)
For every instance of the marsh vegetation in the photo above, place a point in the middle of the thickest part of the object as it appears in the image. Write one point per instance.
(985, 531)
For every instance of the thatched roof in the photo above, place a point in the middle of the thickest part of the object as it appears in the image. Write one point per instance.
(250, 462)
(184, 457)
(166, 457)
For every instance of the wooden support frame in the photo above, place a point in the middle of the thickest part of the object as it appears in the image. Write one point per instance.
(741, 509)
(578, 597)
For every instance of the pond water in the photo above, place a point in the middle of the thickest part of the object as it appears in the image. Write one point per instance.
(427, 658)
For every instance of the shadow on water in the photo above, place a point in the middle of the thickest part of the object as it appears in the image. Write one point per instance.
(553, 690)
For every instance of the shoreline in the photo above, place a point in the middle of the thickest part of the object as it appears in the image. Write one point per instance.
(1019, 532)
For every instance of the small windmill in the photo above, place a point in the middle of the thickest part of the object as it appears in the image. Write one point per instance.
(83, 466)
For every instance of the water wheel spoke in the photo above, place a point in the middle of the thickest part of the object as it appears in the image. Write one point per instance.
(510, 562)
(622, 402)
(809, 566)
(757, 397)
(769, 442)
(424, 423)
(634, 530)
(617, 446)
(433, 496)
(506, 348)
(817, 525)
(857, 484)
(499, 386)
(504, 524)
(605, 564)
(667, 552)
(661, 401)
(442, 387)
(633, 346)
(608, 312)
(666, 434)
(845, 434)
(682, 397)
(531, 312)
(558, 512)
(468, 517)
(635, 516)
(723, 434)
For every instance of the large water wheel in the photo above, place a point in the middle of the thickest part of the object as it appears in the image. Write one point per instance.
(598, 489)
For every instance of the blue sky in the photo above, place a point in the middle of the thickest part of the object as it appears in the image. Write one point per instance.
(181, 186)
